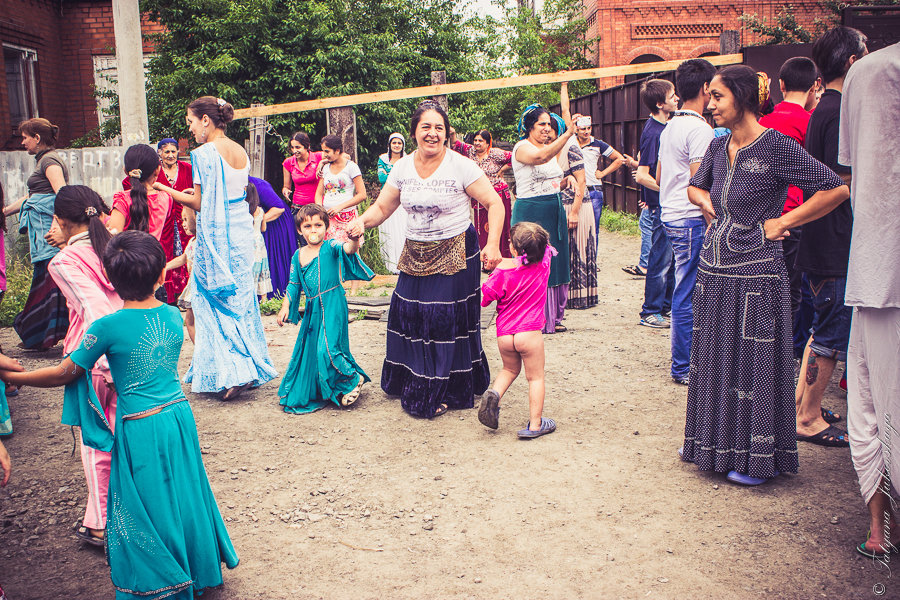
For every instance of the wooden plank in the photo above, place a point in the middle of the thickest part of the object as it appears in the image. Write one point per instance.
(257, 151)
(440, 78)
(473, 86)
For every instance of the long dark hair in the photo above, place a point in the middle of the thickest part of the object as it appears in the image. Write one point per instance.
(2, 214)
(141, 162)
(252, 198)
(743, 82)
(80, 204)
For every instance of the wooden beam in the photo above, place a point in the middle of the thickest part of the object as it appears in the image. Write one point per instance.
(474, 86)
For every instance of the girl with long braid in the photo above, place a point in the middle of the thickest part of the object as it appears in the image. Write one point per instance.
(78, 272)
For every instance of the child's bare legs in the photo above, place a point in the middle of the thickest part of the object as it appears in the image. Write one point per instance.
(512, 364)
(189, 322)
(526, 347)
(530, 346)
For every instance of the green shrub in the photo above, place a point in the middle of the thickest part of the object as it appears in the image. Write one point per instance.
(620, 222)
(371, 251)
(271, 306)
(18, 284)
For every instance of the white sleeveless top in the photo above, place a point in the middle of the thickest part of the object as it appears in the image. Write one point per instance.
(235, 179)
(536, 180)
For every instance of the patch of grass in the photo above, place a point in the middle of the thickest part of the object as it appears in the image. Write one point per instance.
(372, 252)
(271, 306)
(18, 284)
(362, 314)
(362, 293)
(620, 222)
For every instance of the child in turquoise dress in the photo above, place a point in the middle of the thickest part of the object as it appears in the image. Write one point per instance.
(165, 536)
(321, 370)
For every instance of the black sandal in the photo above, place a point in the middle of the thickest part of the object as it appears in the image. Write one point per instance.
(831, 437)
(635, 270)
(560, 329)
(831, 417)
(441, 409)
(86, 536)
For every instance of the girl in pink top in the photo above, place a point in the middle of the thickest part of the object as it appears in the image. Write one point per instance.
(78, 272)
(141, 207)
(519, 285)
(301, 170)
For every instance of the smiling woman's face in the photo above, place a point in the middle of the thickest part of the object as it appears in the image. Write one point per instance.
(431, 133)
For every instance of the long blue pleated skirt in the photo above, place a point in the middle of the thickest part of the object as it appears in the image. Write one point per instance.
(434, 354)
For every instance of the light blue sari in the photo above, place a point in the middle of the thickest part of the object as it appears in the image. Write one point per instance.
(230, 347)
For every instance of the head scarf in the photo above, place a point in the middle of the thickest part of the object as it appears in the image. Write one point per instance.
(765, 99)
(560, 124)
(521, 126)
(165, 142)
(386, 157)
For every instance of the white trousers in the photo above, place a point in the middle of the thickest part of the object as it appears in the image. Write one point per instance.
(873, 398)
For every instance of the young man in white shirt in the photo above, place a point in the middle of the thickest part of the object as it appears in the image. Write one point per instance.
(593, 149)
(682, 145)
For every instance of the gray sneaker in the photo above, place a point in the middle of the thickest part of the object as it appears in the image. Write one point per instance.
(656, 321)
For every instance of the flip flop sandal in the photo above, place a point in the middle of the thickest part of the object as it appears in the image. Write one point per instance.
(353, 395)
(831, 437)
(84, 535)
(489, 411)
(635, 270)
(875, 555)
(830, 417)
(547, 426)
(440, 410)
(742, 479)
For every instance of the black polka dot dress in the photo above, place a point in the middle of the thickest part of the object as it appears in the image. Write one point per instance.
(741, 413)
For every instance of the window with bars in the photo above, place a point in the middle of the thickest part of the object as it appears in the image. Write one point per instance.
(676, 30)
(21, 84)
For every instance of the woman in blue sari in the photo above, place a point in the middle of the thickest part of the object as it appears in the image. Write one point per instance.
(230, 352)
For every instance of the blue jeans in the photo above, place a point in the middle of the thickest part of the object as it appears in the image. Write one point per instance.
(686, 237)
(659, 282)
(645, 223)
(596, 197)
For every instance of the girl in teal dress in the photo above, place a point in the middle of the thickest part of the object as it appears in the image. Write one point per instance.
(321, 370)
(164, 534)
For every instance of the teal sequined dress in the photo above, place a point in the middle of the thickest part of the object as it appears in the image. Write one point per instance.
(321, 368)
(165, 536)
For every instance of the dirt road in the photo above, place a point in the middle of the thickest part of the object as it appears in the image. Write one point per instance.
(370, 503)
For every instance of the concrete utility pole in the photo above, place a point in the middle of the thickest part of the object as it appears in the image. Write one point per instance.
(130, 72)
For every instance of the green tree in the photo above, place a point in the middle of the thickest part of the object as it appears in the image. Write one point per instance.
(272, 51)
(523, 43)
(787, 30)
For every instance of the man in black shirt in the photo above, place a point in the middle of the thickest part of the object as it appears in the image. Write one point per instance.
(825, 247)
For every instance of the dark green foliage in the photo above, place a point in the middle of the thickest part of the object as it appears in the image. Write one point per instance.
(271, 52)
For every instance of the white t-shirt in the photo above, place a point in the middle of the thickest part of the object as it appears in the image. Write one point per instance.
(870, 145)
(339, 187)
(535, 180)
(592, 151)
(684, 141)
(438, 206)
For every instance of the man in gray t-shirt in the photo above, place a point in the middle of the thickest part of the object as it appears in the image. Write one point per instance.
(869, 146)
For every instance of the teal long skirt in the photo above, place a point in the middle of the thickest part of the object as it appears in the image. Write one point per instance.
(165, 535)
(547, 211)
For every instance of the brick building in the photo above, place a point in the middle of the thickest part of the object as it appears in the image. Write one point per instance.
(55, 53)
(638, 31)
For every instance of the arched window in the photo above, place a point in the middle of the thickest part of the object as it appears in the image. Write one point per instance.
(642, 59)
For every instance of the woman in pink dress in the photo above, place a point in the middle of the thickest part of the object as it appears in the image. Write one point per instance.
(494, 162)
(301, 170)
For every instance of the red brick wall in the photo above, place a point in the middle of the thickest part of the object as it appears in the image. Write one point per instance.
(66, 36)
(626, 29)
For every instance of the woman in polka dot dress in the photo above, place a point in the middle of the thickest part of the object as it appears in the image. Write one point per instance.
(741, 415)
